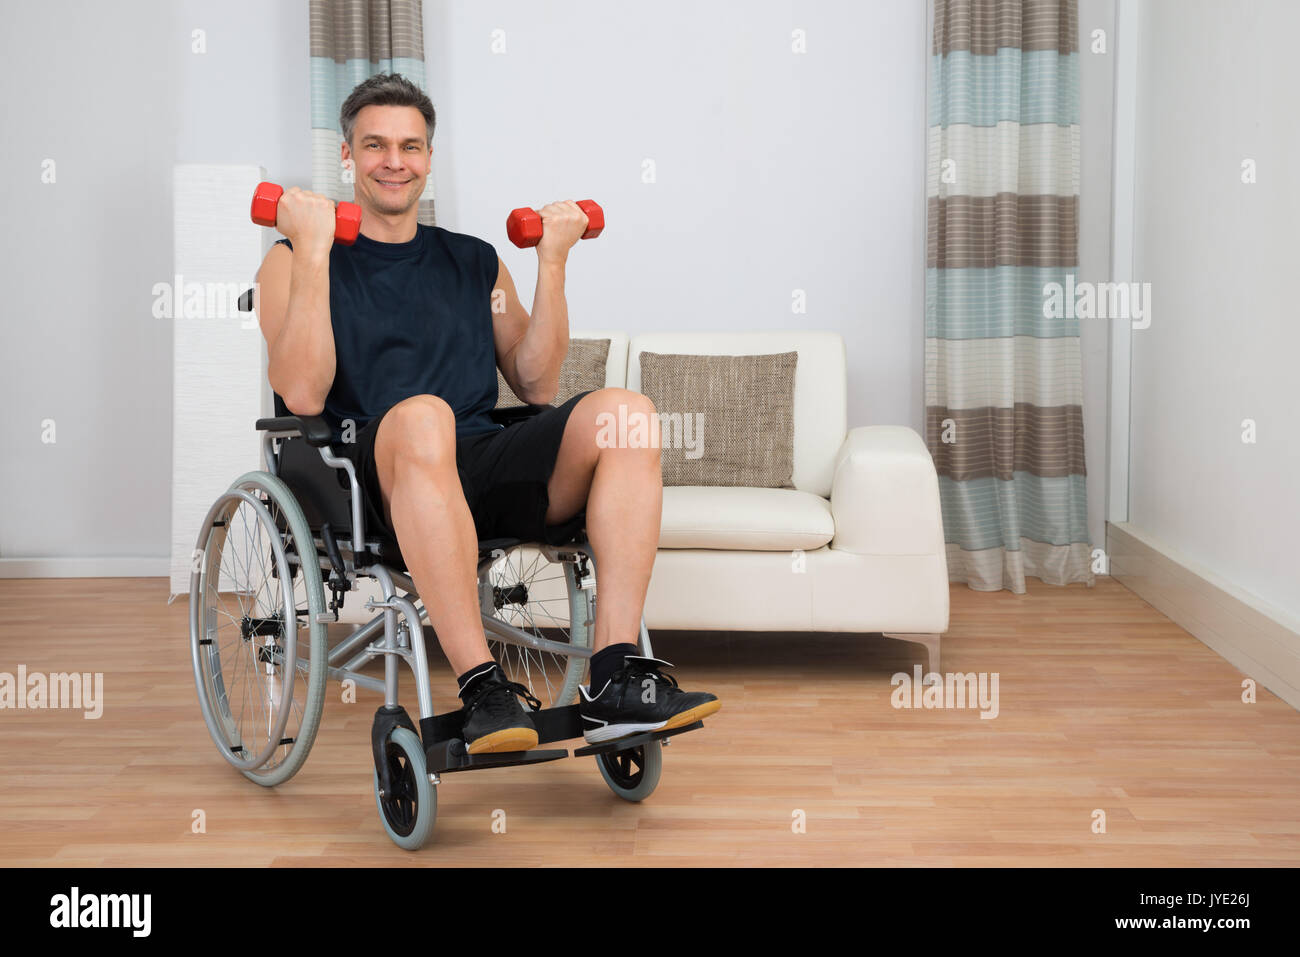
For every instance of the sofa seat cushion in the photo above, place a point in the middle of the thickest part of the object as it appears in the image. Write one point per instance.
(745, 519)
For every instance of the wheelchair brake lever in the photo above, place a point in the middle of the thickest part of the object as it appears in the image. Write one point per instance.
(338, 582)
(332, 550)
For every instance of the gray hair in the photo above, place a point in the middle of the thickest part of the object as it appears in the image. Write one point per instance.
(385, 89)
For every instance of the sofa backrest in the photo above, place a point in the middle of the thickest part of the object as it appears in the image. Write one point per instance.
(616, 362)
(820, 387)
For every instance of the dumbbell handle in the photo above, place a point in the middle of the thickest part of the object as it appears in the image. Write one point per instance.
(266, 202)
(524, 225)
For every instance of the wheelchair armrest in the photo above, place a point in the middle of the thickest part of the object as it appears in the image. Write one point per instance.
(515, 413)
(311, 427)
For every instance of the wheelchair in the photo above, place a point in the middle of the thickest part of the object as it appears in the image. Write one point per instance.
(267, 551)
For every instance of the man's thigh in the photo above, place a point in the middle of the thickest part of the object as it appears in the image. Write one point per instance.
(373, 444)
(506, 477)
(362, 453)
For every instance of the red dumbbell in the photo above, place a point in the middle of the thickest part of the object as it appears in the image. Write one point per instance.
(347, 216)
(524, 225)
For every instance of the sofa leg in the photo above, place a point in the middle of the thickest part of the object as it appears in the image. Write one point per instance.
(931, 643)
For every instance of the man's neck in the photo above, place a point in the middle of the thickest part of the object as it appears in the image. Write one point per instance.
(389, 229)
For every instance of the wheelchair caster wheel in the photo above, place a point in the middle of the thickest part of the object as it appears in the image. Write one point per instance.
(632, 773)
(408, 812)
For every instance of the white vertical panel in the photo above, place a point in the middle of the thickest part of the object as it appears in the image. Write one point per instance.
(1127, 40)
(218, 362)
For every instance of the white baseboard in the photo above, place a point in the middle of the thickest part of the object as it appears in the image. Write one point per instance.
(1261, 641)
(84, 567)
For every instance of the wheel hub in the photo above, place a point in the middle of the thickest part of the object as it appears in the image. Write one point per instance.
(269, 652)
(516, 594)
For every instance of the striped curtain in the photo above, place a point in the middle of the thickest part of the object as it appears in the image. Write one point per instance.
(350, 41)
(1002, 380)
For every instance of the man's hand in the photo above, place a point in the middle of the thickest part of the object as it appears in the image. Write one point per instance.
(562, 225)
(307, 219)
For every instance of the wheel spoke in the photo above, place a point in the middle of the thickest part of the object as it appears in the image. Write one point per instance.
(530, 581)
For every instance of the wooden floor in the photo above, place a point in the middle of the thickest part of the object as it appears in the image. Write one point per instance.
(1103, 704)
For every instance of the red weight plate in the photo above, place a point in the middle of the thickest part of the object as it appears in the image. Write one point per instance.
(347, 223)
(265, 200)
(595, 218)
(524, 227)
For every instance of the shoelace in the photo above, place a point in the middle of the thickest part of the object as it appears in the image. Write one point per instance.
(632, 669)
(500, 692)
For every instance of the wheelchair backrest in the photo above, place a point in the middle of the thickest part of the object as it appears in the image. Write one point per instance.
(322, 491)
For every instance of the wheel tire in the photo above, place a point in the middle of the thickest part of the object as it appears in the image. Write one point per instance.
(632, 773)
(276, 514)
(408, 816)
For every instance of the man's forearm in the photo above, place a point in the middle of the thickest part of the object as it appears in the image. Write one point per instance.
(541, 352)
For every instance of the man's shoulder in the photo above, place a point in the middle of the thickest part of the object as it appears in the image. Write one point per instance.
(462, 243)
(466, 248)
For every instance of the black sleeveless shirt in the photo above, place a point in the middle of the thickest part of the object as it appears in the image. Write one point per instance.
(408, 319)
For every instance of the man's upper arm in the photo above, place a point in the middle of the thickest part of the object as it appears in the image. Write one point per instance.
(271, 299)
(509, 323)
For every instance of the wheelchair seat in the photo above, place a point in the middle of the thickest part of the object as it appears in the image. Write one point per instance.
(324, 492)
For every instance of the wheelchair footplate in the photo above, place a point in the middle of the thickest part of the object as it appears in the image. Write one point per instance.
(633, 740)
(445, 748)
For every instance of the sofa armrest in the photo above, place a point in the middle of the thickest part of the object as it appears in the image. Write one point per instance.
(885, 494)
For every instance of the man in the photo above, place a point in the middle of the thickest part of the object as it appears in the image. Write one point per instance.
(398, 334)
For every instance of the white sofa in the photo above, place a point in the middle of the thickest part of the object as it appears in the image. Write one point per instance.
(856, 546)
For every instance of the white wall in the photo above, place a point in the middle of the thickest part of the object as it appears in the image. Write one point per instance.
(775, 171)
(1096, 117)
(1217, 85)
(113, 94)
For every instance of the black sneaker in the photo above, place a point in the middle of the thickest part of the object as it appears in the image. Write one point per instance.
(494, 720)
(640, 698)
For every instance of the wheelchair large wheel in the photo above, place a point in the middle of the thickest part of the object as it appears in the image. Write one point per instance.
(632, 773)
(259, 651)
(525, 589)
(409, 812)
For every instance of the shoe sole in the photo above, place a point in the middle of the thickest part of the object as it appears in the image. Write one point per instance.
(692, 715)
(689, 716)
(507, 739)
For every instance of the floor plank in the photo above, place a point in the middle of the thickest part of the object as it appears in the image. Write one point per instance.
(1104, 704)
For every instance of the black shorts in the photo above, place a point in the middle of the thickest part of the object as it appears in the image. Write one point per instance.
(504, 476)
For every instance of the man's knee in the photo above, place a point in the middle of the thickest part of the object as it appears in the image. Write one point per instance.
(418, 431)
(622, 401)
(620, 419)
(623, 419)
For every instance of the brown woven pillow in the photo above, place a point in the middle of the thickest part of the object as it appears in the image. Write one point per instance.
(743, 434)
(582, 371)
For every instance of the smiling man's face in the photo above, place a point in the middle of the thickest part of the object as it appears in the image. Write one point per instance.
(391, 158)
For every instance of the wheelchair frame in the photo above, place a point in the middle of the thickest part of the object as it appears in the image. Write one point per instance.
(441, 748)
